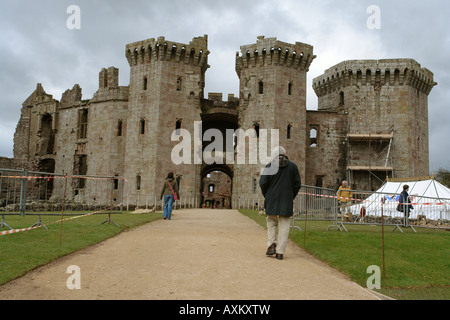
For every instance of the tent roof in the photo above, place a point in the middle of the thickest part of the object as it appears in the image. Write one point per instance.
(425, 188)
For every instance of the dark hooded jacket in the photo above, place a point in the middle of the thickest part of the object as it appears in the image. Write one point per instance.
(166, 188)
(404, 203)
(280, 189)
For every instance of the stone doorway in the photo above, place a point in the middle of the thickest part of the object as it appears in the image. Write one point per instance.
(216, 187)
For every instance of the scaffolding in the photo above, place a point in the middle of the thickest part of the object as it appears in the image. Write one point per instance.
(370, 155)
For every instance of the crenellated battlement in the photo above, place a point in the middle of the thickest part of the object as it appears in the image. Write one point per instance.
(388, 72)
(371, 122)
(146, 51)
(270, 51)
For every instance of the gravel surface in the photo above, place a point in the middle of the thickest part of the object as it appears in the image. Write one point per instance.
(200, 254)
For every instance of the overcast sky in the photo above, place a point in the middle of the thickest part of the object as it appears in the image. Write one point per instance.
(36, 46)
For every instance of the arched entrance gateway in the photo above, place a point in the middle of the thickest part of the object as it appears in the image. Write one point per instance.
(216, 185)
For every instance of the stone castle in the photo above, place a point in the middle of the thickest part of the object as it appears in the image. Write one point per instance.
(371, 122)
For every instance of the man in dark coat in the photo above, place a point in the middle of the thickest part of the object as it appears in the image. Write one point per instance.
(280, 183)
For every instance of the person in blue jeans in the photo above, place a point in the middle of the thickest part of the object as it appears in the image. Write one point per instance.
(168, 191)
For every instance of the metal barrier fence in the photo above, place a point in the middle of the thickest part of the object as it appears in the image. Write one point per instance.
(311, 203)
(153, 202)
(315, 203)
(377, 208)
(39, 194)
(363, 208)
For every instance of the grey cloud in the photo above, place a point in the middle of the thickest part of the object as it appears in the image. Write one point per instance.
(36, 46)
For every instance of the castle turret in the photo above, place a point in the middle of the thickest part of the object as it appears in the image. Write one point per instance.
(272, 89)
(387, 106)
(166, 86)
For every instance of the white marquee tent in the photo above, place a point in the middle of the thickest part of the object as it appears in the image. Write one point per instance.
(429, 198)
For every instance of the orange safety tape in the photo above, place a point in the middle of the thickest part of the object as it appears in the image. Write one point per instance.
(48, 224)
(53, 177)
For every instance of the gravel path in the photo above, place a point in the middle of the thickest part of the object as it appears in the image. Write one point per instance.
(198, 255)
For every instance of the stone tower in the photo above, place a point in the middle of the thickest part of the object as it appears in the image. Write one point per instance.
(371, 123)
(272, 93)
(387, 106)
(166, 87)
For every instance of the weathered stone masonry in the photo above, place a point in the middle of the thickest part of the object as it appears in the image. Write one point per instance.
(371, 122)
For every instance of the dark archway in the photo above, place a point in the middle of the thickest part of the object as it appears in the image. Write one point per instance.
(221, 116)
(216, 186)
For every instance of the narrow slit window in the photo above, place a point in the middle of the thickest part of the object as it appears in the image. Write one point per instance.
(178, 127)
(138, 182)
(119, 128)
(290, 88)
(341, 98)
(261, 87)
(142, 126)
(179, 83)
(145, 84)
(256, 127)
(289, 131)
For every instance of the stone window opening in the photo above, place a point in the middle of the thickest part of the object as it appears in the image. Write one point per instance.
(138, 182)
(142, 126)
(319, 181)
(179, 83)
(313, 137)
(255, 185)
(256, 127)
(290, 88)
(178, 127)
(261, 87)
(119, 128)
(289, 131)
(83, 123)
(341, 98)
(145, 84)
(211, 188)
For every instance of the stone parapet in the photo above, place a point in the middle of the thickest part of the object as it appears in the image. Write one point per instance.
(142, 52)
(271, 51)
(390, 72)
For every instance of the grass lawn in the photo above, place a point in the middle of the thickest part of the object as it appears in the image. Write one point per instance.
(417, 265)
(25, 251)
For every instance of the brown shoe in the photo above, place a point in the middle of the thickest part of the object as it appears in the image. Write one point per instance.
(279, 256)
(271, 250)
